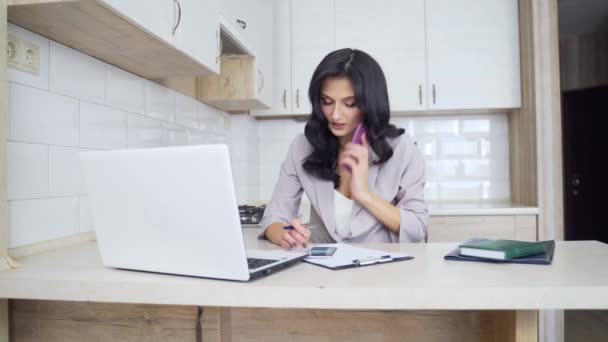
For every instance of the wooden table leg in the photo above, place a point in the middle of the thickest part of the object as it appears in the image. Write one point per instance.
(226, 324)
(3, 320)
(526, 326)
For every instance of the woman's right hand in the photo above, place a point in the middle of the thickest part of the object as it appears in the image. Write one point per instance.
(289, 239)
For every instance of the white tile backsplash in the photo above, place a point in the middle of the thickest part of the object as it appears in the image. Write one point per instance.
(42, 117)
(459, 147)
(436, 126)
(239, 126)
(174, 135)
(479, 126)
(160, 102)
(428, 146)
(461, 190)
(86, 221)
(186, 111)
(245, 158)
(144, 132)
(89, 105)
(467, 156)
(196, 137)
(444, 169)
(476, 168)
(125, 91)
(76, 74)
(209, 118)
(41, 80)
(64, 171)
(102, 127)
(27, 170)
(431, 191)
(42, 219)
(497, 190)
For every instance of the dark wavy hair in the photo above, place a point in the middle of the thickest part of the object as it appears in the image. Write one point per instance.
(371, 98)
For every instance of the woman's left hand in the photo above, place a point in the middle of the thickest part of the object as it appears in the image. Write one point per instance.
(355, 160)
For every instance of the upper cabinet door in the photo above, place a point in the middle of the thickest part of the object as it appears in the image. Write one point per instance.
(473, 54)
(280, 90)
(259, 31)
(233, 11)
(199, 31)
(253, 21)
(159, 17)
(313, 37)
(282, 103)
(392, 32)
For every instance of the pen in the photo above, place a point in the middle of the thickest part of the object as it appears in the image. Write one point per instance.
(306, 225)
(372, 260)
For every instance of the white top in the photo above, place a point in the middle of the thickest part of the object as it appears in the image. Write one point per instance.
(343, 206)
(578, 279)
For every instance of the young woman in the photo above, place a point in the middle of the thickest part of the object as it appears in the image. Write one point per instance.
(371, 191)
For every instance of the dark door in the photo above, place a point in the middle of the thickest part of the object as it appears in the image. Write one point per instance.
(585, 144)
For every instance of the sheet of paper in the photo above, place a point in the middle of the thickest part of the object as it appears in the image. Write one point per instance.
(347, 255)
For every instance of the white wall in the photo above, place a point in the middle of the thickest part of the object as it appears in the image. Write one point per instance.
(78, 103)
(245, 158)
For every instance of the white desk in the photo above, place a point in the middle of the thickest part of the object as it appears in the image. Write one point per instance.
(578, 279)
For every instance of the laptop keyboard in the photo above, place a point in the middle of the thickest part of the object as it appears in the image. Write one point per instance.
(256, 263)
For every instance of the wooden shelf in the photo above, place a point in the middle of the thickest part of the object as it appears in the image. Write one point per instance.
(96, 30)
(235, 89)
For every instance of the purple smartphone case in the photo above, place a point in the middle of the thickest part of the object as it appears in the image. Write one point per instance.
(357, 136)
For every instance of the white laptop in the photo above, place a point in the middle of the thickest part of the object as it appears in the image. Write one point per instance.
(172, 210)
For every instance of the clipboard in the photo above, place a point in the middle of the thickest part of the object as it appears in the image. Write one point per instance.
(347, 256)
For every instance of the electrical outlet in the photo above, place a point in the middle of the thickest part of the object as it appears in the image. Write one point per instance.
(30, 57)
(23, 55)
(12, 51)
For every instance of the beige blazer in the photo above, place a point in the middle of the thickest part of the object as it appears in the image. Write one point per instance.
(400, 180)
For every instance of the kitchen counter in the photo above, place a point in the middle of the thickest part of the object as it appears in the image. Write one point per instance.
(578, 279)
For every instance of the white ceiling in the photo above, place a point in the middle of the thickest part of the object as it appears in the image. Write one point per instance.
(581, 16)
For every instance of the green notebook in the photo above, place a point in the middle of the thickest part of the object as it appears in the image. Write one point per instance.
(502, 249)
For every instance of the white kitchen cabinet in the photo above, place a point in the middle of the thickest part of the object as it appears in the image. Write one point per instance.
(259, 32)
(392, 32)
(158, 17)
(253, 21)
(192, 26)
(199, 31)
(236, 12)
(313, 37)
(473, 54)
(280, 97)
(436, 54)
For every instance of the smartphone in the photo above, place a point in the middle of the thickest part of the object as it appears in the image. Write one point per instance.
(322, 251)
(358, 135)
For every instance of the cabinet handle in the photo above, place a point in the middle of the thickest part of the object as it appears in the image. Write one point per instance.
(219, 47)
(261, 76)
(242, 23)
(298, 98)
(179, 16)
(420, 94)
(285, 98)
(434, 95)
